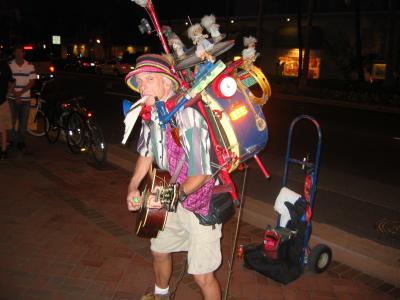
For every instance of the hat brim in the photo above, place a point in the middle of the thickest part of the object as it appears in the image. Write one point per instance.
(130, 79)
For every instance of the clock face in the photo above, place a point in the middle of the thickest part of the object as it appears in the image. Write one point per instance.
(228, 86)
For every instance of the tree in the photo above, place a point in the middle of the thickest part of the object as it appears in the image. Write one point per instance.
(389, 51)
(357, 30)
(310, 13)
(300, 38)
(259, 33)
(260, 23)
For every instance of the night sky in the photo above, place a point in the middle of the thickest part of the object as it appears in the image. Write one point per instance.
(113, 20)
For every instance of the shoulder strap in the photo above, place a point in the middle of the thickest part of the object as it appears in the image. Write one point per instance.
(178, 169)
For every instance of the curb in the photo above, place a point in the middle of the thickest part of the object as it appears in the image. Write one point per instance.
(331, 102)
(364, 255)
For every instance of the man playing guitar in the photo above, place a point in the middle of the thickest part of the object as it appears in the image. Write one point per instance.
(154, 80)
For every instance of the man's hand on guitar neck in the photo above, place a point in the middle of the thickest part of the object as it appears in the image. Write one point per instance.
(134, 200)
(153, 202)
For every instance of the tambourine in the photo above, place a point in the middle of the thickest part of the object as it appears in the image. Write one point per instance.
(254, 79)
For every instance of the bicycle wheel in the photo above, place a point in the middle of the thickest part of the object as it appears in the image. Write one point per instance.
(53, 132)
(98, 145)
(75, 133)
(38, 123)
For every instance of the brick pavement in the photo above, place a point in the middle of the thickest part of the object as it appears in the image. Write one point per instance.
(66, 234)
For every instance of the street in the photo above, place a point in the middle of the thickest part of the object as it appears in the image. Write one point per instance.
(358, 183)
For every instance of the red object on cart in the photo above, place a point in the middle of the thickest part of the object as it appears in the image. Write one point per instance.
(272, 241)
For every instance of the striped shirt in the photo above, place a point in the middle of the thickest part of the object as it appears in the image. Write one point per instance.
(194, 137)
(22, 75)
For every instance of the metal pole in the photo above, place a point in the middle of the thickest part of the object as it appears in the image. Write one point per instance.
(233, 250)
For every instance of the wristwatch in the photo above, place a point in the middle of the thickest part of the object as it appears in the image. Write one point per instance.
(182, 194)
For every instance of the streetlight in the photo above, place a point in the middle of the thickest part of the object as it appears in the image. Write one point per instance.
(98, 41)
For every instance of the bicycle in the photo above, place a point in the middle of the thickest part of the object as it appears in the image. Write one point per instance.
(38, 123)
(84, 134)
(61, 114)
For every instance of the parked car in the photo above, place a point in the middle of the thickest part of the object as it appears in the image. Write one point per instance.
(86, 64)
(115, 67)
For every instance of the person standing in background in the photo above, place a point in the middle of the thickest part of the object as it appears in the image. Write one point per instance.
(24, 75)
(6, 81)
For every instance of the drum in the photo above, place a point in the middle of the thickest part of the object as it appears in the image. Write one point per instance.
(239, 124)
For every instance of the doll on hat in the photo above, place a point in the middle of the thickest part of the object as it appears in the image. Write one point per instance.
(204, 47)
(249, 54)
(174, 41)
(208, 23)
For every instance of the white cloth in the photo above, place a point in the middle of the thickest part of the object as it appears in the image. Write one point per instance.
(131, 118)
(285, 195)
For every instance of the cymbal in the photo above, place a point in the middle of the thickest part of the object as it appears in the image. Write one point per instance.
(192, 60)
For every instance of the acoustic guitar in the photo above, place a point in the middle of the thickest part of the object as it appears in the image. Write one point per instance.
(151, 220)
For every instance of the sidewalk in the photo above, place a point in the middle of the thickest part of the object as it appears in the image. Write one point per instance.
(358, 252)
(66, 234)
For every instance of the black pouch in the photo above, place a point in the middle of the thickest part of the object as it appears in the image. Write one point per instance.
(221, 210)
(280, 270)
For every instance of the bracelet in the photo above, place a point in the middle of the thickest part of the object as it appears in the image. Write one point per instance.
(182, 194)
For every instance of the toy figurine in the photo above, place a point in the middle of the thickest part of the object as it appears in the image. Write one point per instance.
(195, 33)
(174, 41)
(249, 54)
(178, 46)
(208, 23)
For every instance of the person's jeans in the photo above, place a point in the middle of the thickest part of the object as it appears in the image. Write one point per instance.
(19, 112)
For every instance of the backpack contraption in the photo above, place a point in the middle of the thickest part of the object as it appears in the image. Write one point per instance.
(229, 97)
(285, 252)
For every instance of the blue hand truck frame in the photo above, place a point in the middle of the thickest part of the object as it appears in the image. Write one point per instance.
(318, 258)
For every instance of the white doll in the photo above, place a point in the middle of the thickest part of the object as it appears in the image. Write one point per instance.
(195, 33)
(208, 23)
(249, 54)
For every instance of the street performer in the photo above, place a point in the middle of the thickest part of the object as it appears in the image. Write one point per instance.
(153, 79)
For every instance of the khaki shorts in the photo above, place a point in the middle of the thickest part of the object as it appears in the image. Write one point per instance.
(5, 116)
(183, 232)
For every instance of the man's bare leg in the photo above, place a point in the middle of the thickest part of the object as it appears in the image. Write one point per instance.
(162, 264)
(209, 286)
